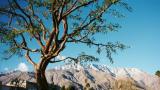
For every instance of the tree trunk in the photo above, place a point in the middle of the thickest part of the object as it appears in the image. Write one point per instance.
(41, 80)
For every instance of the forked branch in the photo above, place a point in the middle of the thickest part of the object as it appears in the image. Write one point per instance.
(29, 59)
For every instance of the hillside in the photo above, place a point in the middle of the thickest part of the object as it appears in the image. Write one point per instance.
(100, 77)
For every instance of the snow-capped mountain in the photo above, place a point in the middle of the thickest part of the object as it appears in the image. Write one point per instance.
(100, 77)
(142, 78)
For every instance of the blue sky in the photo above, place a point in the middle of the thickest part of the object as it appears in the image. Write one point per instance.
(140, 30)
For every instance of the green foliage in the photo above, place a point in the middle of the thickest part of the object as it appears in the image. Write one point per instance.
(114, 1)
(30, 20)
(82, 58)
(71, 87)
(157, 73)
(54, 87)
(17, 82)
(91, 88)
(63, 88)
(87, 86)
(51, 24)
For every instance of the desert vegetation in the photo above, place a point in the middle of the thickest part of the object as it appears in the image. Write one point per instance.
(157, 73)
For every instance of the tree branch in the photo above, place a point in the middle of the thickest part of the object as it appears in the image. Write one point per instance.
(29, 59)
(55, 61)
(55, 31)
(37, 37)
(28, 16)
(82, 27)
(24, 48)
(73, 8)
(54, 53)
(61, 11)
(65, 26)
(94, 43)
(19, 15)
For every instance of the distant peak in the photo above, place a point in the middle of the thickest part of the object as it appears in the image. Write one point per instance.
(103, 68)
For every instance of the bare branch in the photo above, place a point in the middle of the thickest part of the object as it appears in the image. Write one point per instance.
(64, 36)
(55, 32)
(38, 39)
(61, 11)
(29, 59)
(62, 45)
(65, 26)
(54, 53)
(48, 44)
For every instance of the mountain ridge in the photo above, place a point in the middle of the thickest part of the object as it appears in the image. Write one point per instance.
(100, 77)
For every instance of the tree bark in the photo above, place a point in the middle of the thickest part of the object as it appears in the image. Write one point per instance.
(41, 80)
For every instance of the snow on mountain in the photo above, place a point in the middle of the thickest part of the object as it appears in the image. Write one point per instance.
(69, 66)
(140, 77)
(100, 77)
(116, 72)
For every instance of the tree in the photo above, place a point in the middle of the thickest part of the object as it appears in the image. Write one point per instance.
(71, 87)
(51, 25)
(157, 73)
(87, 85)
(63, 87)
(0, 85)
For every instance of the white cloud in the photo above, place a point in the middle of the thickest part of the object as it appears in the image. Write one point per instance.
(22, 67)
(60, 57)
(6, 69)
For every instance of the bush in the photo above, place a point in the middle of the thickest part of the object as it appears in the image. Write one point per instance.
(54, 87)
(128, 84)
(63, 88)
(91, 88)
(157, 73)
(87, 86)
(71, 87)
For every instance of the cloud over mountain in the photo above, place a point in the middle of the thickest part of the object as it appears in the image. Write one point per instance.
(22, 67)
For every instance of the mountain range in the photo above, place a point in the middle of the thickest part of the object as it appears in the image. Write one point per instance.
(99, 77)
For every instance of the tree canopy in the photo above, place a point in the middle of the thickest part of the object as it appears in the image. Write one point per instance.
(157, 73)
(51, 24)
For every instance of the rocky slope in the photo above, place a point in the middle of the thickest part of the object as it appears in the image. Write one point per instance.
(100, 77)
